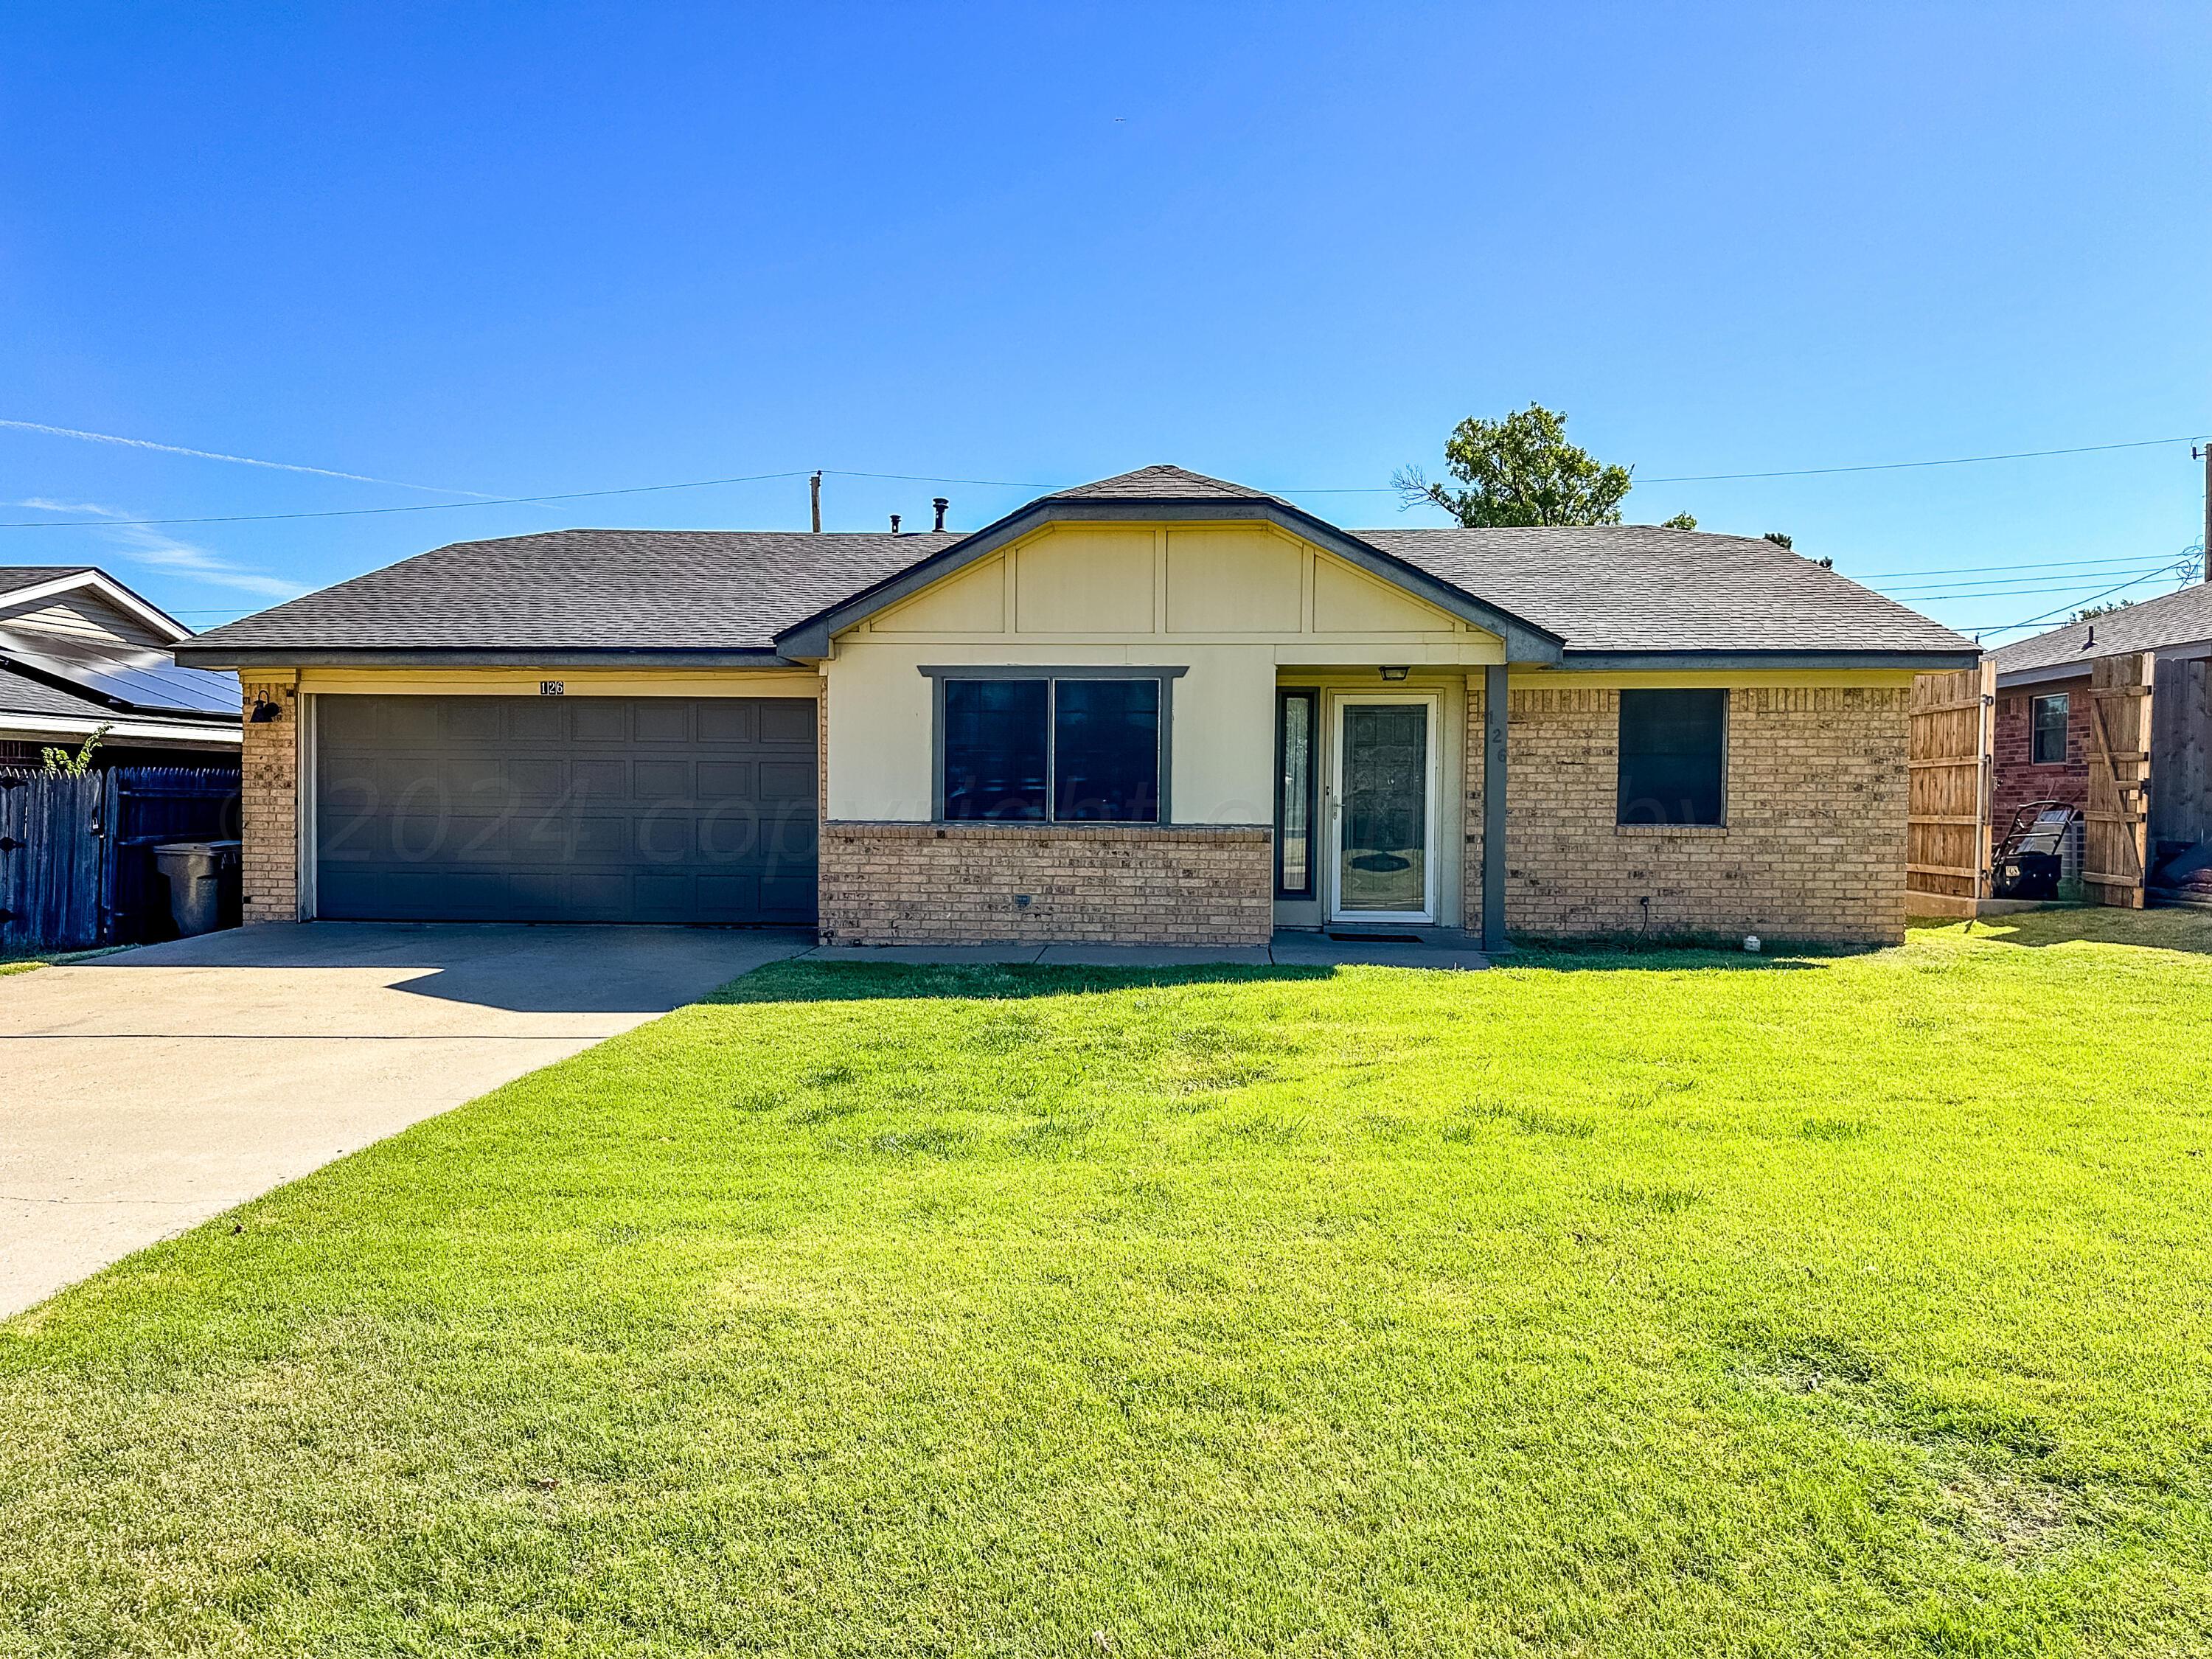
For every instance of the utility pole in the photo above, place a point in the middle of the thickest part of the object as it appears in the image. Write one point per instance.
(2203, 453)
(814, 490)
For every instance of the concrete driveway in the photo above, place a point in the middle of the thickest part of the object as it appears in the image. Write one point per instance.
(143, 1092)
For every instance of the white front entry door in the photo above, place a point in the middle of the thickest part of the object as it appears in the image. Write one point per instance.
(1382, 808)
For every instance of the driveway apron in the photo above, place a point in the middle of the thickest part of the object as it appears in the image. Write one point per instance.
(143, 1092)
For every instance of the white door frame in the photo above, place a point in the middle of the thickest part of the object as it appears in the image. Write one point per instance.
(1334, 842)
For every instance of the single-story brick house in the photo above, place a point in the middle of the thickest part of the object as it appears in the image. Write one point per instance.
(2041, 741)
(1158, 709)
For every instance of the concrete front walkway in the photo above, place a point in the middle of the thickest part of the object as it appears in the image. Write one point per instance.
(1428, 947)
(145, 1092)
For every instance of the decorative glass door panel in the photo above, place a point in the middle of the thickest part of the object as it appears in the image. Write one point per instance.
(1385, 759)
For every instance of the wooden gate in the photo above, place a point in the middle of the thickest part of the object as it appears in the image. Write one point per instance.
(2113, 840)
(2181, 752)
(49, 850)
(1947, 845)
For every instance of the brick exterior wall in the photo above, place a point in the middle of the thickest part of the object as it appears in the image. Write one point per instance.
(1814, 848)
(2016, 777)
(972, 884)
(269, 784)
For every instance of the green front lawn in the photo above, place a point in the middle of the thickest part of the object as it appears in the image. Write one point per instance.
(1687, 1305)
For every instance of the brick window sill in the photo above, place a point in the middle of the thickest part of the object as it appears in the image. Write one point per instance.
(1646, 831)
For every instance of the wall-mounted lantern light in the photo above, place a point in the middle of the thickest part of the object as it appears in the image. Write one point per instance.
(264, 711)
(1396, 673)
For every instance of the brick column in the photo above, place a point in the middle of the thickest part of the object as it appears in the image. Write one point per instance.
(269, 804)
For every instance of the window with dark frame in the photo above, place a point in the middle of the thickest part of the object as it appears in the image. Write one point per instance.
(2048, 716)
(1673, 756)
(1297, 713)
(996, 762)
(1046, 748)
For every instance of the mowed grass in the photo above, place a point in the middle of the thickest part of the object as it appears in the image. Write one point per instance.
(1602, 1305)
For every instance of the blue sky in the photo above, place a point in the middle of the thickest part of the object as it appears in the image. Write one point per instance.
(524, 251)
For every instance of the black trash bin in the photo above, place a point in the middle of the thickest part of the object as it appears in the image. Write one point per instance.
(204, 884)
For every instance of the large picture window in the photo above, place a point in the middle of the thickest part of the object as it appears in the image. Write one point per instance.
(1052, 746)
(1674, 747)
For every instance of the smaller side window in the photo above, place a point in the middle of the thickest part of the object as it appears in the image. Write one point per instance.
(2048, 717)
(1295, 712)
(1673, 756)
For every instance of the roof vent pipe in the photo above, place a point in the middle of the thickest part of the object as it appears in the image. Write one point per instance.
(940, 503)
(894, 519)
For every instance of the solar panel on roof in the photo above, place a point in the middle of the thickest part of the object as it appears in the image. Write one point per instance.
(137, 679)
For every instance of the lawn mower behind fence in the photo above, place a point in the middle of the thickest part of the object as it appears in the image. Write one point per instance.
(2025, 863)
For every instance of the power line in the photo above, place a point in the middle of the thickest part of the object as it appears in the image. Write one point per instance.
(1975, 570)
(1900, 466)
(2033, 584)
(904, 478)
(2029, 622)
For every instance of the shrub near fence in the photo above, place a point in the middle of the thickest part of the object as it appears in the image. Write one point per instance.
(76, 853)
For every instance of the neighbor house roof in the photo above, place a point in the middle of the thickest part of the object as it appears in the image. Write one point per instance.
(1586, 594)
(2176, 619)
(16, 576)
(21, 695)
(63, 670)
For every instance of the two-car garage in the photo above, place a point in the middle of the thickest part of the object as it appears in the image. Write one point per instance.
(557, 808)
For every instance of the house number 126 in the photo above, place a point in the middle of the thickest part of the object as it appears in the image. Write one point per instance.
(552, 688)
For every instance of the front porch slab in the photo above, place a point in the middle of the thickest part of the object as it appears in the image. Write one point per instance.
(1436, 947)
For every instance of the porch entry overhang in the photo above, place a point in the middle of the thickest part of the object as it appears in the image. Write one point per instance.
(1370, 800)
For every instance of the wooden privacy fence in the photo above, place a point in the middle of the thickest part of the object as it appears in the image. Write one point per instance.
(1946, 837)
(76, 853)
(2114, 853)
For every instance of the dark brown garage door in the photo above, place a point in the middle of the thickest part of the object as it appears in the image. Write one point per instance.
(566, 809)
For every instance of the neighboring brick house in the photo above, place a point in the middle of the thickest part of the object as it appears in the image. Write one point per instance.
(2040, 747)
(2041, 738)
(1160, 708)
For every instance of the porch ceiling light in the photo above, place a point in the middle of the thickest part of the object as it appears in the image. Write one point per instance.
(1398, 673)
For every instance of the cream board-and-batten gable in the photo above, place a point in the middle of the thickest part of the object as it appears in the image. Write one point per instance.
(1233, 583)
(1230, 604)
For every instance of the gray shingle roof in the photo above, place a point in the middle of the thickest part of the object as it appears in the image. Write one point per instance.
(580, 590)
(2181, 619)
(15, 576)
(1638, 587)
(1604, 588)
(1156, 483)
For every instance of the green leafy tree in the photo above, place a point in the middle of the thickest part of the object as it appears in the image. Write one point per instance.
(1679, 521)
(1519, 471)
(2091, 612)
(1779, 537)
(62, 763)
